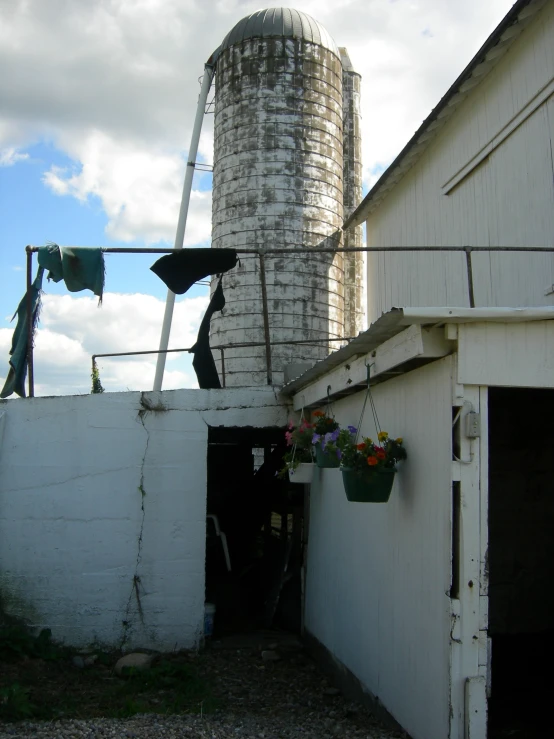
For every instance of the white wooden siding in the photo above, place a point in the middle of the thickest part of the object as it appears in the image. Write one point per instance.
(502, 354)
(507, 200)
(379, 575)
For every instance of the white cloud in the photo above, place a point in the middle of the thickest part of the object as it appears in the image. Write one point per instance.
(72, 329)
(115, 84)
(10, 156)
(140, 191)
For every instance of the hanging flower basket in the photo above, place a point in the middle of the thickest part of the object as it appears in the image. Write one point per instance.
(323, 458)
(368, 485)
(303, 473)
(298, 459)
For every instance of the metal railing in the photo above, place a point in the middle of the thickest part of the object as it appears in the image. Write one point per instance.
(261, 253)
(221, 348)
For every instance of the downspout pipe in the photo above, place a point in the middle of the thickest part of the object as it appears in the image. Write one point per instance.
(181, 225)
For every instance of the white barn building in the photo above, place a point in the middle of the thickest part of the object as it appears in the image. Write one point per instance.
(439, 602)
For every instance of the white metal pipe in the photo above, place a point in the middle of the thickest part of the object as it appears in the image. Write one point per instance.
(181, 225)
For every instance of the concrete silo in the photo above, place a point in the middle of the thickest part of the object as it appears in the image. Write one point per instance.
(278, 184)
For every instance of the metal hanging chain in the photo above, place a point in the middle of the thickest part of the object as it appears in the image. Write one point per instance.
(369, 396)
(373, 408)
(301, 419)
(329, 403)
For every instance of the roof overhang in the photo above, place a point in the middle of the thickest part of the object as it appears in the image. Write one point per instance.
(400, 340)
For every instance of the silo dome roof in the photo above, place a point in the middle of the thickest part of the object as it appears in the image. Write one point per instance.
(279, 22)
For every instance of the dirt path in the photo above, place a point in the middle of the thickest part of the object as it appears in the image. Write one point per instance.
(261, 686)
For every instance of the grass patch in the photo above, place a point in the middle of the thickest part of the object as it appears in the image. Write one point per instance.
(15, 704)
(38, 680)
(17, 642)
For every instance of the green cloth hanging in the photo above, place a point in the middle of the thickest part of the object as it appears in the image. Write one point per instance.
(15, 381)
(80, 268)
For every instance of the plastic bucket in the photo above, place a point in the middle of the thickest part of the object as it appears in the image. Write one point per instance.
(209, 615)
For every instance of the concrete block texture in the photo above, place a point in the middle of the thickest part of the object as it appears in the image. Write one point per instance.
(278, 183)
(103, 510)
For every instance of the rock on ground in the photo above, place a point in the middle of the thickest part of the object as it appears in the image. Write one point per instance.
(136, 660)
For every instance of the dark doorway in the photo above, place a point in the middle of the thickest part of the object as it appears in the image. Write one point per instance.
(254, 532)
(521, 562)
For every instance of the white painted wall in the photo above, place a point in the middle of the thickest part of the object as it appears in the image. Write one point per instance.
(378, 576)
(75, 528)
(506, 354)
(507, 200)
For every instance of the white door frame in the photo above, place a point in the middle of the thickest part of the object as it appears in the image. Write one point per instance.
(468, 645)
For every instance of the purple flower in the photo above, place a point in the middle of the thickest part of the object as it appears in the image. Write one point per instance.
(329, 437)
(352, 429)
(316, 438)
(339, 453)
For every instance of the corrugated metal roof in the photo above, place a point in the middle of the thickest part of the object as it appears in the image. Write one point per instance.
(494, 48)
(279, 23)
(397, 319)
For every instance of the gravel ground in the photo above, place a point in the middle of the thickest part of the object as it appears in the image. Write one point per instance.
(266, 691)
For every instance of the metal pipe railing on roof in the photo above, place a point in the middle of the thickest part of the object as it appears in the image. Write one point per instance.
(221, 348)
(30, 367)
(266, 321)
(261, 253)
(324, 250)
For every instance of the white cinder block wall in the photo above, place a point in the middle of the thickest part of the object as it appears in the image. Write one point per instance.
(378, 575)
(102, 511)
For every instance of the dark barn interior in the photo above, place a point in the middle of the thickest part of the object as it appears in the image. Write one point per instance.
(521, 561)
(256, 583)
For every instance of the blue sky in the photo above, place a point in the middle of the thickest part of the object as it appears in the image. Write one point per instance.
(95, 122)
(32, 214)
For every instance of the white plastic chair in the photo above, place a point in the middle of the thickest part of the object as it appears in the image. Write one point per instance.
(223, 538)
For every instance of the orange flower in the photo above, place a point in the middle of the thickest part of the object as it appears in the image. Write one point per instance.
(380, 453)
(318, 414)
(372, 461)
(360, 446)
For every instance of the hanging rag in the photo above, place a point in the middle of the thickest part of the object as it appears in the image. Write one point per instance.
(203, 361)
(183, 268)
(80, 268)
(15, 381)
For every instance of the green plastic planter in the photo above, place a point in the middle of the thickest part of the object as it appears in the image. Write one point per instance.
(322, 459)
(368, 486)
